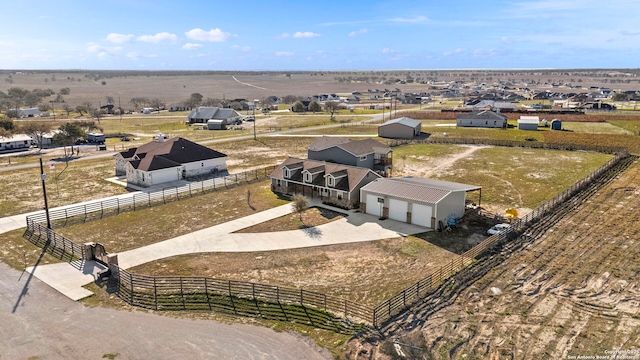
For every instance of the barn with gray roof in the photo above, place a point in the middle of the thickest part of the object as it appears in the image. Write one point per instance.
(419, 201)
(214, 117)
(400, 128)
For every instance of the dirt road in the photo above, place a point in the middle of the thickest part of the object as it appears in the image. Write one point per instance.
(45, 324)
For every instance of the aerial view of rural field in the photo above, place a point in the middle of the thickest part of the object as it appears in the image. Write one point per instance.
(401, 180)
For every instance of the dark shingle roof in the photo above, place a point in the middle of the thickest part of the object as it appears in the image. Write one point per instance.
(326, 142)
(171, 153)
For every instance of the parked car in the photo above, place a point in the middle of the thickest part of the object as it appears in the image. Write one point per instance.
(498, 228)
(249, 118)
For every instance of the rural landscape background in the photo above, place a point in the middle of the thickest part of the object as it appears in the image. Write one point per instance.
(569, 288)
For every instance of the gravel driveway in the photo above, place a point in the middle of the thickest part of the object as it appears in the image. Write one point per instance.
(47, 325)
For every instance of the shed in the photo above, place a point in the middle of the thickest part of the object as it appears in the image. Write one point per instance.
(216, 124)
(414, 200)
(528, 122)
(556, 124)
(400, 128)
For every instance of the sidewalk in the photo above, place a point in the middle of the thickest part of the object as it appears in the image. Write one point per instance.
(356, 227)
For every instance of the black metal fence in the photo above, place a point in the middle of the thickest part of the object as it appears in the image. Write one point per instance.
(99, 209)
(54, 243)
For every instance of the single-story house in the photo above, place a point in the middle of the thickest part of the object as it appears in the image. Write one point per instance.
(420, 201)
(367, 153)
(15, 142)
(203, 114)
(168, 160)
(400, 128)
(528, 122)
(492, 104)
(25, 113)
(179, 107)
(485, 118)
(336, 184)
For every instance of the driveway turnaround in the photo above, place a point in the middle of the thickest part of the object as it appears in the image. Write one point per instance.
(355, 227)
(40, 323)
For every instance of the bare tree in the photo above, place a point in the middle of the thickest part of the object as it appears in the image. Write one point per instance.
(157, 104)
(109, 100)
(314, 106)
(331, 107)
(299, 204)
(38, 130)
(67, 108)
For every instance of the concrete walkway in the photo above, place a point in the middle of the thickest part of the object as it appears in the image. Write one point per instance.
(69, 278)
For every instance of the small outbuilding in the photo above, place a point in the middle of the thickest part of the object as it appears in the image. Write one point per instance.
(400, 128)
(528, 122)
(420, 201)
(214, 124)
(556, 124)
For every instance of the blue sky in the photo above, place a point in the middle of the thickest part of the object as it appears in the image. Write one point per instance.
(319, 35)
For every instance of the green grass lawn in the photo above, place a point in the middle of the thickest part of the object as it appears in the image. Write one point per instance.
(596, 128)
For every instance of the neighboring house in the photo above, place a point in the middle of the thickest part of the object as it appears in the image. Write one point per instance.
(202, 115)
(400, 128)
(366, 153)
(486, 118)
(528, 122)
(107, 108)
(420, 201)
(335, 184)
(168, 160)
(26, 113)
(492, 104)
(45, 140)
(15, 142)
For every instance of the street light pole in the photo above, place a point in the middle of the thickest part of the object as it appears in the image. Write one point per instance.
(43, 176)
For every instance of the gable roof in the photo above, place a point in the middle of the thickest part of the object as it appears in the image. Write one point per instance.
(485, 115)
(212, 113)
(354, 174)
(404, 121)
(170, 153)
(417, 189)
(354, 147)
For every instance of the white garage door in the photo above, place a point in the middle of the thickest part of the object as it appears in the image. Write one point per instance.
(398, 210)
(421, 215)
(164, 175)
(373, 206)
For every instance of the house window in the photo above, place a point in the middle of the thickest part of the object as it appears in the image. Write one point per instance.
(363, 158)
(307, 177)
(486, 122)
(142, 176)
(339, 195)
(287, 173)
(330, 181)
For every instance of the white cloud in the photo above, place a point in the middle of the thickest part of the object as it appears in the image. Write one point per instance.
(284, 53)
(305, 35)
(456, 51)
(412, 20)
(241, 48)
(309, 58)
(119, 38)
(213, 35)
(157, 38)
(103, 51)
(358, 32)
(388, 51)
(283, 36)
(191, 46)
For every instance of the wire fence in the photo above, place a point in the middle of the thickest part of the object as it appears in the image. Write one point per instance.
(141, 200)
(421, 288)
(268, 301)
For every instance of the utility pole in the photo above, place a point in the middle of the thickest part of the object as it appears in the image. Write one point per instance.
(43, 176)
(254, 120)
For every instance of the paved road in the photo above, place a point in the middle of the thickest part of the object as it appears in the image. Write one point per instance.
(47, 325)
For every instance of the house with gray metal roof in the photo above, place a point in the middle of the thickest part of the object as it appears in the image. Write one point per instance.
(165, 161)
(219, 116)
(420, 201)
(335, 184)
(485, 118)
(400, 128)
(367, 153)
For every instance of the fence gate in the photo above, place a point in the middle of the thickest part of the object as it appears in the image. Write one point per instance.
(99, 253)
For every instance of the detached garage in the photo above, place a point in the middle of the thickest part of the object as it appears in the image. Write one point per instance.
(413, 200)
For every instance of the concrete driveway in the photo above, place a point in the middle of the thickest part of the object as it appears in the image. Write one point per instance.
(69, 278)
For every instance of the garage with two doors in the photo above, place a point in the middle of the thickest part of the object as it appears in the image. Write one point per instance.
(419, 201)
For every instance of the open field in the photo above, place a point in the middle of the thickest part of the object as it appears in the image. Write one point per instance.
(572, 292)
